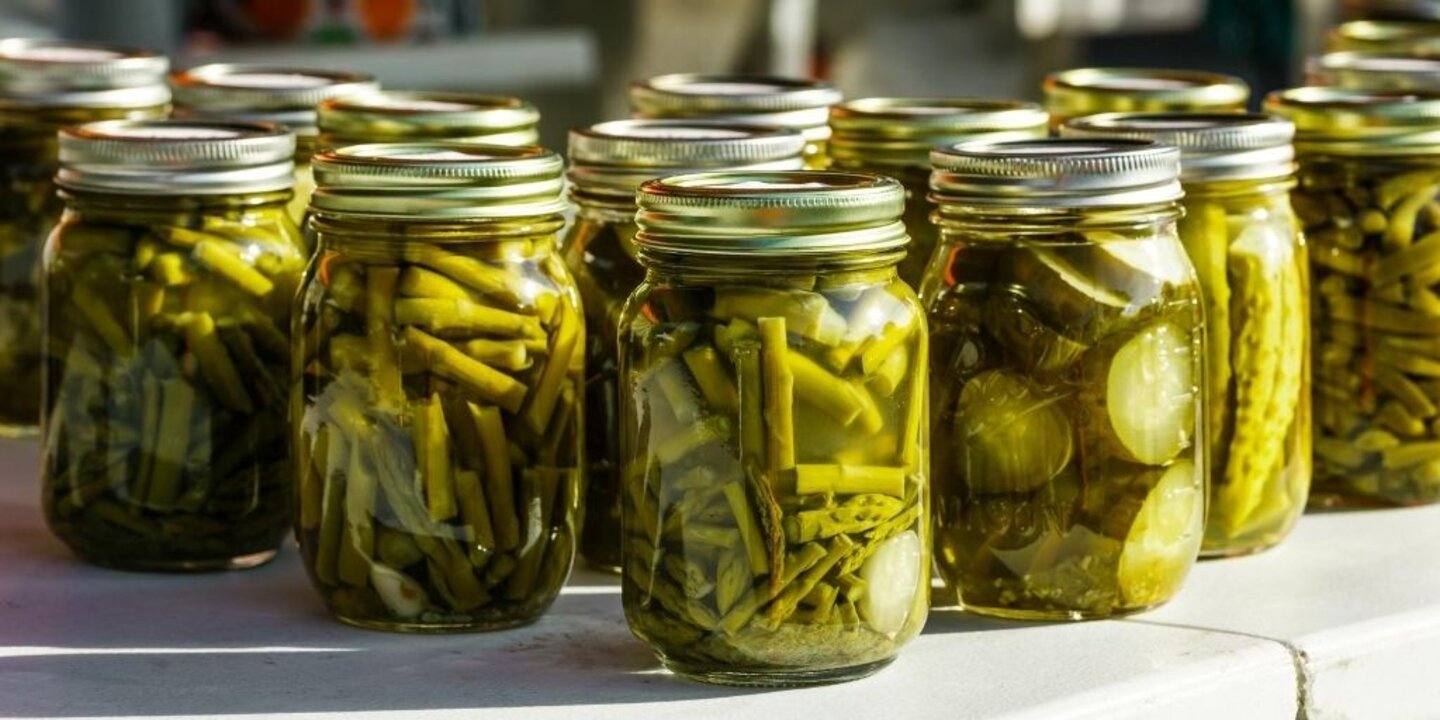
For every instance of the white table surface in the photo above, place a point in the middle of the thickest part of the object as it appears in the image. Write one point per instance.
(1344, 618)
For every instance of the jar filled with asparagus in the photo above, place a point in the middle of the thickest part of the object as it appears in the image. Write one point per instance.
(44, 86)
(609, 161)
(893, 136)
(1242, 237)
(1065, 397)
(794, 103)
(167, 292)
(774, 438)
(402, 116)
(1090, 91)
(1406, 37)
(283, 95)
(437, 414)
(1369, 201)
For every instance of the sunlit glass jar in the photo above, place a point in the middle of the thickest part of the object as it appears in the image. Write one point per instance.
(438, 421)
(774, 437)
(46, 85)
(894, 136)
(609, 161)
(1374, 71)
(1089, 91)
(1067, 342)
(283, 95)
(1237, 171)
(797, 104)
(167, 291)
(1386, 36)
(1369, 201)
(396, 116)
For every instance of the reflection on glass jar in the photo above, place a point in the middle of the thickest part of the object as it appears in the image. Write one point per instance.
(438, 417)
(265, 93)
(893, 136)
(609, 161)
(792, 103)
(167, 295)
(1242, 237)
(776, 524)
(1369, 200)
(1065, 379)
(44, 86)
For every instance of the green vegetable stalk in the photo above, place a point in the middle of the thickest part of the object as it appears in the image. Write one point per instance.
(456, 391)
(166, 397)
(744, 503)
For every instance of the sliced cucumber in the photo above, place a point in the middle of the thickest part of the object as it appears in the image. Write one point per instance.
(1150, 393)
(1164, 538)
(1139, 267)
(893, 577)
(1010, 437)
(1068, 297)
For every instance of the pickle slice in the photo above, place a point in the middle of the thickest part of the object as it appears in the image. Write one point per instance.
(1010, 436)
(1150, 394)
(893, 576)
(1039, 348)
(1069, 297)
(1164, 539)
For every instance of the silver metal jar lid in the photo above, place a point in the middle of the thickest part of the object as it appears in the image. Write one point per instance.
(1374, 71)
(391, 116)
(1218, 146)
(1056, 172)
(771, 213)
(56, 73)
(793, 103)
(1360, 123)
(176, 157)
(263, 93)
(438, 180)
(614, 158)
(901, 132)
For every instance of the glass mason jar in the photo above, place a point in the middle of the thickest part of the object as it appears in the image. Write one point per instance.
(266, 93)
(776, 509)
(609, 161)
(1385, 36)
(44, 86)
(167, 289)
(438, 418)
(1374, 71)
(1369, 200)
(797, 104)
(1237, 171)
(393, 116)
(893, 136)
(1067, 340)
(1090, 91)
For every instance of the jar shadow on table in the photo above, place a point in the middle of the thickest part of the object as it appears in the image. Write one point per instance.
(953, 620)
(259, 642)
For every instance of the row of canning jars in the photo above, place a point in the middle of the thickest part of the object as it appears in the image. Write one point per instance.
(438, 340)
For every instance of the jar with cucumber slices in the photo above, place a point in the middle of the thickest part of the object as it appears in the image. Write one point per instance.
(774, 438)
(1369, 200)
(1067, 346)
(1090, 91)
(437, 421)
(893, 136)
(1242, 237)
(609, 161)
(167, 292)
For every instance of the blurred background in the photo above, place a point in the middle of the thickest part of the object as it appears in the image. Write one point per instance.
(574, 58)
